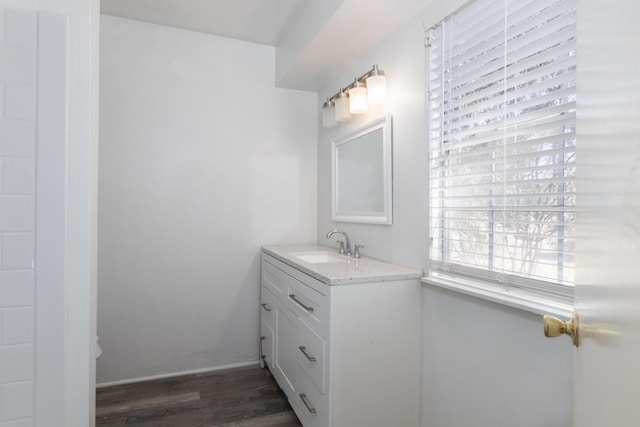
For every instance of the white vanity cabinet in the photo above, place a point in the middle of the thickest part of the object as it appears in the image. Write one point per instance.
(346, 355)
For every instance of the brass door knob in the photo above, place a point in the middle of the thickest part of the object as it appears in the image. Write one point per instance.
(554, 327)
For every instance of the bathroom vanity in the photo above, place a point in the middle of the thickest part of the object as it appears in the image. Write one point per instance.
(342, 336)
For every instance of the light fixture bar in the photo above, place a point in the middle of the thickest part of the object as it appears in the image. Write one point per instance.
(369, 88)
(374, 71)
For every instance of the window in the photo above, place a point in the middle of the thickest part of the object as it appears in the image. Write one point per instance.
(502, 92)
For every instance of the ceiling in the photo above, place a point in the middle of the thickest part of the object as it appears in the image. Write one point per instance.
(257, 21)
(314, 39)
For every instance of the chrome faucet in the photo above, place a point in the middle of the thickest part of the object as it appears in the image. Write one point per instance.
(347, 242)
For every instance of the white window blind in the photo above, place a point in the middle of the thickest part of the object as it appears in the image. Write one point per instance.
(502, 77)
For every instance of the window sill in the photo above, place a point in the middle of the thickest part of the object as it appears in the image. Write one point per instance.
(519, 300)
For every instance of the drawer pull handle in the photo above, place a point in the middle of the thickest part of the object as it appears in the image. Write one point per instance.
(264, 305)
(303, 397)
(303, 349)
(297, 301)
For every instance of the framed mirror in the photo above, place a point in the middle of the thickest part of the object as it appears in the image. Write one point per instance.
(361, 170)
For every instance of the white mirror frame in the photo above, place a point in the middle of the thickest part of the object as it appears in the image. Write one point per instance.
(383, 216)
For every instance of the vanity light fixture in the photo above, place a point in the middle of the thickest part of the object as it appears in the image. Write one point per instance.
(376, 86)
(358, 98)
(329, 114)
(342, 106)
(368, 89)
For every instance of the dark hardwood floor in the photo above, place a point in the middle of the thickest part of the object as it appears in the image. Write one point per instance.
(244, 397)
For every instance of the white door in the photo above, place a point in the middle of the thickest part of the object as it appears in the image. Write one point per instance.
(607, 361)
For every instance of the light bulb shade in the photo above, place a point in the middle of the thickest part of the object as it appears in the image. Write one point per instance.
(377, 90)
(377, 86)
(329, 114)
(358, 98)
(342, 107)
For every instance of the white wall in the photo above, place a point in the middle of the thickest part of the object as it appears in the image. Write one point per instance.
(490, 365)
(484, 364)
(202, 161)
(62, 296)
(403, 241)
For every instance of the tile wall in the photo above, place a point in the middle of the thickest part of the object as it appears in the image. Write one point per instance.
(18, 64)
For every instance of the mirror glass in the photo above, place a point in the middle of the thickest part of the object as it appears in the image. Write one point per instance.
(361, 171)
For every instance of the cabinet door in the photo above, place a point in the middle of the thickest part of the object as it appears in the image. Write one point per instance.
(267, 327)
(267, 305)
(267, 337)
(285, 355)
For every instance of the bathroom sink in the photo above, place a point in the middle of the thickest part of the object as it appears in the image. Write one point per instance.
(319, 257)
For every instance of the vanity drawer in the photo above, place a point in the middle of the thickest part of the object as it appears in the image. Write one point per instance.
(273, 278)
(309, 402)
(311, 354)
(310, 306)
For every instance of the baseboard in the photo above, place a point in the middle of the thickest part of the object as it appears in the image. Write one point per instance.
(177, 374)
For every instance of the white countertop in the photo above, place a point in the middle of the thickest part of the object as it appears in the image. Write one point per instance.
(343, 269)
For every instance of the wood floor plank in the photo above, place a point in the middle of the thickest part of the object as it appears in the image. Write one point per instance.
(243, 397)
(284, 419)
(148, 402)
